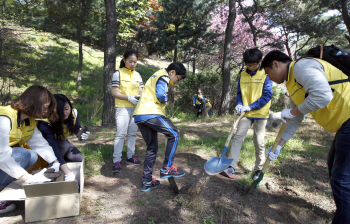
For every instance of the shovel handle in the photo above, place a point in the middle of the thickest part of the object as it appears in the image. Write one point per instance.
(275, 144)
(233, 129)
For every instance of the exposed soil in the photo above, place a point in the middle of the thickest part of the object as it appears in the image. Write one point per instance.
(297, 192)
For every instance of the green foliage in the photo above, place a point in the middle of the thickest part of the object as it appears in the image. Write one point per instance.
(180, 25)
(278, 99)
(209, 82)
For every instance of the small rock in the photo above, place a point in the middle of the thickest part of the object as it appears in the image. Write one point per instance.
(247, 212)
(269, 186)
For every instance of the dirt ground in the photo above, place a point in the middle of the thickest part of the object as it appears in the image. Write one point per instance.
(299, 192)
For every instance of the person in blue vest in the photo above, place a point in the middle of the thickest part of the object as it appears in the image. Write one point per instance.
(150, 117)
(254, 93)
(307, 81)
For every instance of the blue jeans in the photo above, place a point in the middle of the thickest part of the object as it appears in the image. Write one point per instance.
(24, 157)
(338, 161)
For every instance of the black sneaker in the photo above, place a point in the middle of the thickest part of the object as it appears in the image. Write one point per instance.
(146, 186)
(256, 174)
(172, 171)
(116, 167)
(133, 160)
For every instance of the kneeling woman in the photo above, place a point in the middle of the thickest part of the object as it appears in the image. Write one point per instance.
(18, 126)
(56, 134)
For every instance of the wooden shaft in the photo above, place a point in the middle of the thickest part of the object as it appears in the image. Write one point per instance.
(233, 129)
(275, 144)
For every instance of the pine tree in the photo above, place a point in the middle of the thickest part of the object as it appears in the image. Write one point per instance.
(178, 26)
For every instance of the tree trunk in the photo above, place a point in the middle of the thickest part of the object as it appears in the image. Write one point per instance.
(194, 66)
(81, 28)
(109, 63)
(250, 22)
(226, 76)
(2, 32)
(345, 14)
(175, 50)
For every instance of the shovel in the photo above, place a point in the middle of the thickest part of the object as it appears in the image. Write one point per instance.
(256, 182)
(215, 165)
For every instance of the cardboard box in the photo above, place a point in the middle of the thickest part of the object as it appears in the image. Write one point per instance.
(48, 200)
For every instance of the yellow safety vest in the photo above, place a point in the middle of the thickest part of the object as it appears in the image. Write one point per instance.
(199, 96)
(149, 103)
(251, 90)
(129, 85)
(332, 116)
(19, 133)
(208, 103)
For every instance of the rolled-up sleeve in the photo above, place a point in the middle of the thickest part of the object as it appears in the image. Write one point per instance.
(7, 162)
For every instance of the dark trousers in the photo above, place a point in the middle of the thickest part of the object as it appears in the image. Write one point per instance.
(149, 130)
(338, 161)
(69, 152)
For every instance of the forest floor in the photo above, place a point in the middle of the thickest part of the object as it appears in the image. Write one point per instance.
(296, 191)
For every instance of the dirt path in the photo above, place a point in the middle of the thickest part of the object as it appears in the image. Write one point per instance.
(304, 196)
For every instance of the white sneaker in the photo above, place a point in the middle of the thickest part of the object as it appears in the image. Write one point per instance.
(256, 174)
(6, 207)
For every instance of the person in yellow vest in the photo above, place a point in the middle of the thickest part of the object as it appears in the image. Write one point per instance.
(307, 81)
(198, 102)
(56, 134)
(254, 93)
(208, 106)
(18, 126)
(150, 117)
(127, 87)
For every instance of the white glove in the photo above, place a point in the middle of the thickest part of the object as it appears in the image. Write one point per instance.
(55, 166)
(286, 114)
(70, 177)
(274, 155)
(238, 108)
(245, 109)
(194, 105)
(133, 100)
(85, 135)
(38, 178)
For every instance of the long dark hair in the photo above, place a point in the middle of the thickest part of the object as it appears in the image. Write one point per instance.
(127, 54)
(32, 100)
(58, 125)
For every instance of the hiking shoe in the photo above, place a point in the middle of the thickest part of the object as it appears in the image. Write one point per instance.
(256, 174)
(146, 186)
(117, 167)
(229, 172)
(6, 207)
(133, 160)
(172, 171)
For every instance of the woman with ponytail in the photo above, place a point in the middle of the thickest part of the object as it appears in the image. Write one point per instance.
(126, 88)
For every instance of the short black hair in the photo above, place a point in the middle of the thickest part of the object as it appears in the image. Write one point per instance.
(253, 55)
(179, 69)
(274, 55)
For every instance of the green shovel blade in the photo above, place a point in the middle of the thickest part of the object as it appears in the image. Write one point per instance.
(255, 183)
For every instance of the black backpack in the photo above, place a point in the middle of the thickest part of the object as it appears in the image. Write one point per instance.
(337, 56)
